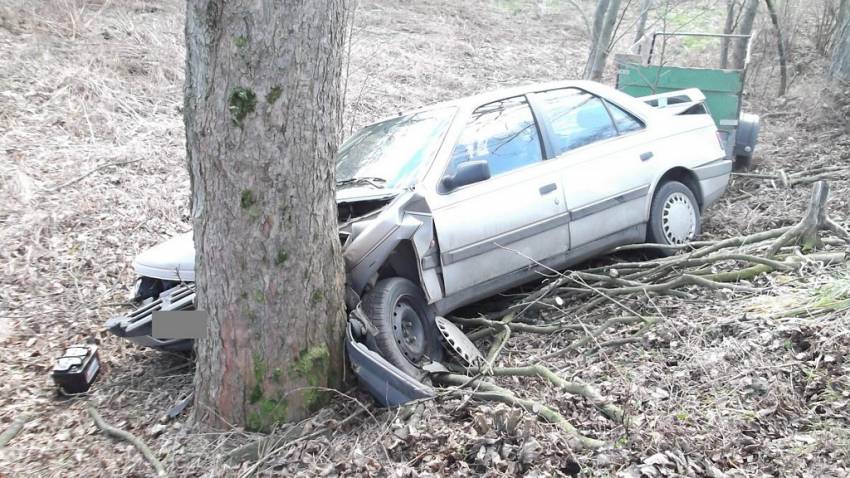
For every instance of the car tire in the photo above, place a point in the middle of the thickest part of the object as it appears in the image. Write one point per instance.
(407, 335)
(674, 218)
(746, 138)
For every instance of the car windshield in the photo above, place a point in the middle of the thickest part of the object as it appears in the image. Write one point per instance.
(391, 153)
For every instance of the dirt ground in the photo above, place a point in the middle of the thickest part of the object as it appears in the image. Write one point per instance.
(92, 173)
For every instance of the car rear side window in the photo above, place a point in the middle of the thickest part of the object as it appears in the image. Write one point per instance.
(503, 133)
(625, 121)
(576, 118)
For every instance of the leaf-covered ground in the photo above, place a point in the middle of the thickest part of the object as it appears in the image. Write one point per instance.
(91, 172)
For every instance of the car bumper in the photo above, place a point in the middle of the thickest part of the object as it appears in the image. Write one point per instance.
(386, 383)
(713, 179)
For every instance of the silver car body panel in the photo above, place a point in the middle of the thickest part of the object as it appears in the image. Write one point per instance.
(565, 209)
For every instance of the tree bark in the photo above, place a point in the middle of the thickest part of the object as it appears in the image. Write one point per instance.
(263, 114)
(839, 67)
(640, 29)
(748, 16)
(728, 27)
(598, 19)
(780, 47)
(599, 54)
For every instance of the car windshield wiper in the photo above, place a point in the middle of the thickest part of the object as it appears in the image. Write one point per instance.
(372, 181)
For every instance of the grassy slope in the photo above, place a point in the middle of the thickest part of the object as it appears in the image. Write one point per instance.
(84, 85)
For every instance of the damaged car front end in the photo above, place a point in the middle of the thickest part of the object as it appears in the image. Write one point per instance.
(385, 229)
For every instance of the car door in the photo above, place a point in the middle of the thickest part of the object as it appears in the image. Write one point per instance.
(492, 231)
(603, 155)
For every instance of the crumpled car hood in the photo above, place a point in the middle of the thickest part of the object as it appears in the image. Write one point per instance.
(174, 259)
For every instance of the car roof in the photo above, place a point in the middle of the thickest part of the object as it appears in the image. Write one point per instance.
(494, 95)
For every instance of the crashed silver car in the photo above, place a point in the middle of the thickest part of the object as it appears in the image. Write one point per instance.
(449, 204)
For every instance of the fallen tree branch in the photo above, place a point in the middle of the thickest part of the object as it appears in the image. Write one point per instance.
(84, 176)
(501, 339)
(595, 333)
(604, 405)
(489, 327)
(128, 437)
(491, 392)
(837, 229)
(13, 430)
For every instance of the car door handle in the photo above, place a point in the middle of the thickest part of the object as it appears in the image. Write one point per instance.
(548, 188)
(646, 156)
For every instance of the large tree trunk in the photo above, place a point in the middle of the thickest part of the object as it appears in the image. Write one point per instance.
(839, 67)
(745, 27)
(263, 112)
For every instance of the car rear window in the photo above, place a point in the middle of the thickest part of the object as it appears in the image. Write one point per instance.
(576, 118)
(624, 120)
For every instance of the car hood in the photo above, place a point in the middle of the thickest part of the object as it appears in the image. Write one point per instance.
(174, 259)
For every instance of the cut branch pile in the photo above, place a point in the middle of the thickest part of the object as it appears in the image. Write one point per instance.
(789, 180)
(732, 264)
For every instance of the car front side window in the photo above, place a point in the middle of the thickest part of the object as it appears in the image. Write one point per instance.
(576, 118)
(503, 133)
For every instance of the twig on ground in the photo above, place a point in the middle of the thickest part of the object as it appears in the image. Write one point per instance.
(581, 389)
(128, 437)
(10, 433)
(84, 176)
(492, 392)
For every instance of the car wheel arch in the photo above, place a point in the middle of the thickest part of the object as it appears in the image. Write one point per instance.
(401, 262)
(684, 176)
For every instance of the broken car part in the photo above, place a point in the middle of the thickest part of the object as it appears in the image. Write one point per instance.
(459, 343)
(388, 385)
(137, 326)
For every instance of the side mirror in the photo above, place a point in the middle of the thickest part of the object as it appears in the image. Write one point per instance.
(467, 172)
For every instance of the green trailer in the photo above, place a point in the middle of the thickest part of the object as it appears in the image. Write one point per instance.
(649, 75)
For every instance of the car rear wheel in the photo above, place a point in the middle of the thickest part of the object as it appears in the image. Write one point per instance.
(675, 218)
(407, 335)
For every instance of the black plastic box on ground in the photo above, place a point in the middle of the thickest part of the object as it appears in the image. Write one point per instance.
(75, 371)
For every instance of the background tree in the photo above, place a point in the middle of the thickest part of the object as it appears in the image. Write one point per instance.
(604, 19)
(643, 15)
(262, 112)
(839, 67)
(728, 27)
(745, 27)
(780, 47)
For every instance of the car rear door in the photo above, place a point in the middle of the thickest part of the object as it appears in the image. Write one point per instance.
(604, 165)
(492, 231)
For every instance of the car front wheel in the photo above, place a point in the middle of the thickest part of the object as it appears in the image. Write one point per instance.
(407, 335)
(674, 218)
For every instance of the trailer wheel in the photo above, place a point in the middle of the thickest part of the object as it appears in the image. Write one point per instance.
(746, 137)
(674, 218)
(407, 334)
